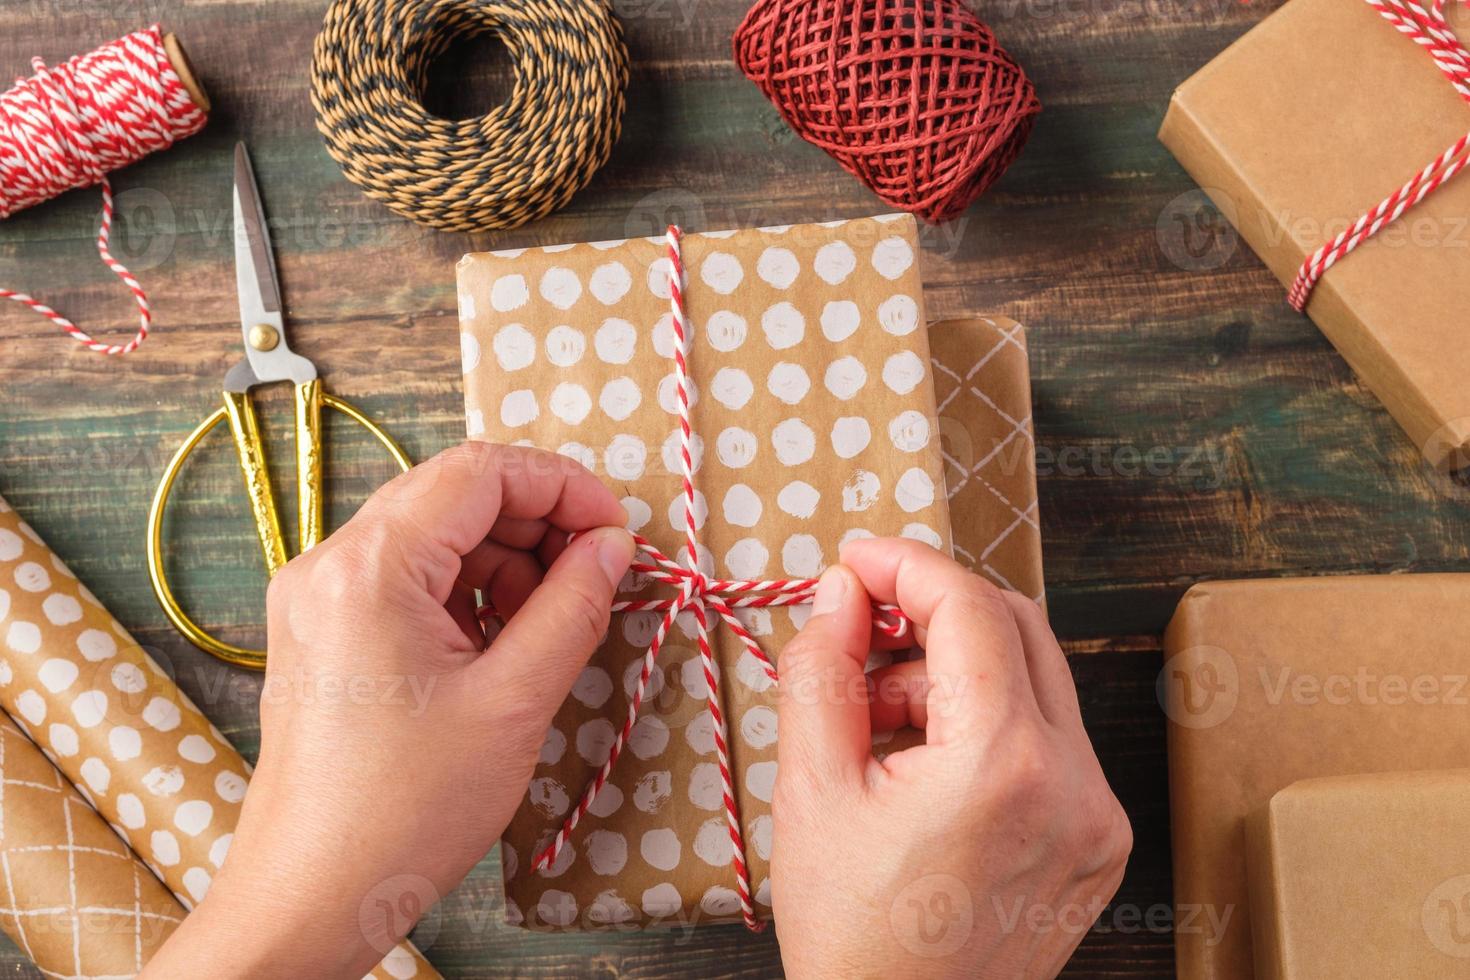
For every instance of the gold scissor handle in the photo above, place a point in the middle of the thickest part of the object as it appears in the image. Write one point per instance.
(244, 656)
(245, 427)
(309, 507)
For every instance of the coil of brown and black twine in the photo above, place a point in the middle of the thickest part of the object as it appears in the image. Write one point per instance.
(523, 159)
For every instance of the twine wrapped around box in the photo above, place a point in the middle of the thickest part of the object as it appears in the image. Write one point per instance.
(1250, 129)
(1431, 30)
(810, 411)
(700, 595)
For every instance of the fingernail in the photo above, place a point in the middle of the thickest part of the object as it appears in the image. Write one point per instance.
(614, 553)
(831, 590)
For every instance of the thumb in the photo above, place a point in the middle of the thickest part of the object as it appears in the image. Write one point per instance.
(548, 641)
(826, 732)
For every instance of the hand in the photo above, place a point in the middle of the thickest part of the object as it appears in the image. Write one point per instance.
(987, 851)
(394, 747)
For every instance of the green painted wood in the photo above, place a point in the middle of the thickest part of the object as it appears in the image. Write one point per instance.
(1270, 458)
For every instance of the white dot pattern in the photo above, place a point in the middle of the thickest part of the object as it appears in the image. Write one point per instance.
(116, 725)
(807, 410)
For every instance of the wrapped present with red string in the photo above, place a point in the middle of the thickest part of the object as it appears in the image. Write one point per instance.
(1332, 136)
(755, 398)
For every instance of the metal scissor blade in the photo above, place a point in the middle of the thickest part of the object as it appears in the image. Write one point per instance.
(255, 263)
(261, 322)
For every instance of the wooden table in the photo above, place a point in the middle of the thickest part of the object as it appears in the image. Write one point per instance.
(1189, 425)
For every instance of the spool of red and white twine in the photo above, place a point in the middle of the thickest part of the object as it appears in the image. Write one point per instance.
(699, 595)
(1430, 29)
(70, 126)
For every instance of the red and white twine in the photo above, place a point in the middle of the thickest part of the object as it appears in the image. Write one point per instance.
(70, 126)
(1429, 28)
(699, 595)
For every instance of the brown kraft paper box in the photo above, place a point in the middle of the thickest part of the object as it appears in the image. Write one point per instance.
(1269, 682)
(1362, 876)
(1302, 125)
(815, 417)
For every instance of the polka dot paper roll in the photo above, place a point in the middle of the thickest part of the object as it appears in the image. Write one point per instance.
(75, 899)
(117, 726)
(814, 419)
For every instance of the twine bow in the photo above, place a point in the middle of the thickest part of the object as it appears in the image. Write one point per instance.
(1431, 30)
(700, 595)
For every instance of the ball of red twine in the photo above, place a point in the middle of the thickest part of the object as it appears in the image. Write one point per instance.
(915, 98)
(71, 125)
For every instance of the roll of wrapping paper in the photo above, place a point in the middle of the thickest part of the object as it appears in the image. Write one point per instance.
(76, 899)
(119, 728)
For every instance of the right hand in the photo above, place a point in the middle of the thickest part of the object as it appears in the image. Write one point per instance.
(987, 851)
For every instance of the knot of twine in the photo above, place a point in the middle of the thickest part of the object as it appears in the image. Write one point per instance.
(1430, 29)
(69, 126)
(700, 595)
(519, 162)
(915, 98)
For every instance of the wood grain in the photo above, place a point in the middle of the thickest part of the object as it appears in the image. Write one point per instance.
(1269, 458)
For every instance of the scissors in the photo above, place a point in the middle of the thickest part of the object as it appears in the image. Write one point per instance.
(268, 359)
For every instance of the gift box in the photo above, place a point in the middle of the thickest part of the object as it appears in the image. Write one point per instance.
(982, 390)
(1273, 681)
(1365, 875)
(116, 725)
(75, 899)
(1300, 127)
(813, 421)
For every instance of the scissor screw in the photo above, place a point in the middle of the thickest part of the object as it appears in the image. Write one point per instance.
(264, 337)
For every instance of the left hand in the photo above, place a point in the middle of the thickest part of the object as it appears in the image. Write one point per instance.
(394, 746)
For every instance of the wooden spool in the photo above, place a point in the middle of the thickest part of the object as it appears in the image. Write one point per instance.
(185, 70)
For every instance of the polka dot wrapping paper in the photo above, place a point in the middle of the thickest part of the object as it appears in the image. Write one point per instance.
(814, 421)
(118, 727)
(75, 899)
